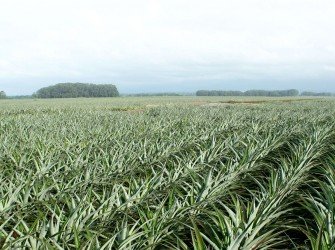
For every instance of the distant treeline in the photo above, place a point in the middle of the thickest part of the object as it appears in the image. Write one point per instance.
(306, 93)
(3, 95)
(73, 90)
(273, 93)
(20, 97)
(155, 94)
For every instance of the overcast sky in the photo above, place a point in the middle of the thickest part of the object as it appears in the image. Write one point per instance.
(168, 45)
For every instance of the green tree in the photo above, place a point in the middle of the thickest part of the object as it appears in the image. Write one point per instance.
(74, 90)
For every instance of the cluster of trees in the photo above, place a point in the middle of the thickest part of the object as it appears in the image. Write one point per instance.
(289, 92)
(73, 90)
(3, 95)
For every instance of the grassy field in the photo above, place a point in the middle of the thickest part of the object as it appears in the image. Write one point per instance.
(167, 173)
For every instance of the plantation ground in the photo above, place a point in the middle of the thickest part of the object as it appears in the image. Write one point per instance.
(167, 173)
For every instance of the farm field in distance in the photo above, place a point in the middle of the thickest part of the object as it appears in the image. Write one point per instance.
(167, 173)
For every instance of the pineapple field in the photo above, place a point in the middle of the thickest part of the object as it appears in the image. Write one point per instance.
(167, 173)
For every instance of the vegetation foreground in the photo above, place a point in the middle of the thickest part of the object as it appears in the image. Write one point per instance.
(180, 173)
